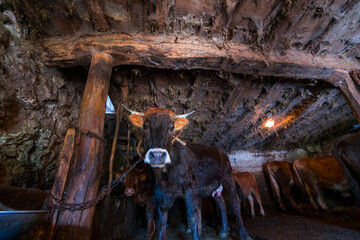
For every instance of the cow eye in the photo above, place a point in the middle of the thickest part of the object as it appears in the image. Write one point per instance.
(145, 126)
(171, 128)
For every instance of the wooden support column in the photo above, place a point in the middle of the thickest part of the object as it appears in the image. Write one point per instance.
(65, 157)
(349, 88)
(85, 178)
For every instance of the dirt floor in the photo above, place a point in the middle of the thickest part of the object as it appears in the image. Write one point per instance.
(342, 223)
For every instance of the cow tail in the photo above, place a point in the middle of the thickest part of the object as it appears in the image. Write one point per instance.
(239, 191)
(298, 181)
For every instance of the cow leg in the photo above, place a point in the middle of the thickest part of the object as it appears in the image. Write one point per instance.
(188, 230)
(351, 180)
(258, 199)
(192, 206)
(224, 231)
(251, 201)
(150, 211)
(199, 218)
(163, 220)
(318, 195)
(276, 190)
(233, 199)
(309, 192)
(289, 197)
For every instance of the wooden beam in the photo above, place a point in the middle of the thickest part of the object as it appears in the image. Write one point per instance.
(85, 178)
(168, 52)
(241, 91)
(349, 88)
(242, 126)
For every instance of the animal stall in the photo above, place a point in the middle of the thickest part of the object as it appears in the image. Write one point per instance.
(129, 119)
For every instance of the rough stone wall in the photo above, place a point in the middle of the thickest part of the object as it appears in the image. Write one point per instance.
(37, 106)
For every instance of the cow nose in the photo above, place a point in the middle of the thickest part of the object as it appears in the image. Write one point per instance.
(157, 155)
(129, 191)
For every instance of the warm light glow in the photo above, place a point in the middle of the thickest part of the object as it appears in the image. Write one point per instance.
(269, 123)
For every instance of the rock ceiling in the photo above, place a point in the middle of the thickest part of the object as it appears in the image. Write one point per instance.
(231, 102)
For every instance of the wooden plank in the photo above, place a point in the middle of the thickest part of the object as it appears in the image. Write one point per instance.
(85, 179)
(57, 190)
(168, 52)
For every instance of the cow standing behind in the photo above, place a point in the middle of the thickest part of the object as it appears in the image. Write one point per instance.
(248, 185)
(282, 181)
(347, 152)
(320, 173)
(138, 184)
(185, 170)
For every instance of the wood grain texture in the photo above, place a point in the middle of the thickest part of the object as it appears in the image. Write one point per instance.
(166, 52)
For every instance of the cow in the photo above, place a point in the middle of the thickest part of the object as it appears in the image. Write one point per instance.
(282, 182)
(347, 152)
(183, 169)
(247, 182)
(317, 174)
(138, 185)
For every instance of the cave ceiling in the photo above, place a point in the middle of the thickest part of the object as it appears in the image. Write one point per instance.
(231, 102)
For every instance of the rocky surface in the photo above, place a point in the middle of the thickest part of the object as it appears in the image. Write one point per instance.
(37, 105)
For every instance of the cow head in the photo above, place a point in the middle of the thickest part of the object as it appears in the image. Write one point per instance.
(133, 181)
(159, 127)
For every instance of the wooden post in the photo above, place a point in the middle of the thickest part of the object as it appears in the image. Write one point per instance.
(85, 179)
(66, 154)
(113, 148)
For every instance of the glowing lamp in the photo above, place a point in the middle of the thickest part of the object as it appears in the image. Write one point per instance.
(269, 123)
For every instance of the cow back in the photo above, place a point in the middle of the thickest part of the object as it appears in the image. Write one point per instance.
(327, 170)
(246, 182)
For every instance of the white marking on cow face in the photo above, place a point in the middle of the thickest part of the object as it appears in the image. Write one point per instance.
(157, 157)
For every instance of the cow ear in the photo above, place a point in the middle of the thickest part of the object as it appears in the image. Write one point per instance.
(136, 120)
(180, 124)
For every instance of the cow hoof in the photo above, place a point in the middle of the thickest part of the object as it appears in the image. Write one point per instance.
(244, 236)
(223, 234)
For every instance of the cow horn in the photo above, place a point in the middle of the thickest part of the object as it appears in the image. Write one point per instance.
(184, 115)
(132, 112)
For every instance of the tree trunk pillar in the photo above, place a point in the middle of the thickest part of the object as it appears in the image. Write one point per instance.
(84, 178)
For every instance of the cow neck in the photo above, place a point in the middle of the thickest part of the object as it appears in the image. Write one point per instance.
(161, 174)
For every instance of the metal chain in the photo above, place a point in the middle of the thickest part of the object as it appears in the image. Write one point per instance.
(90, 134)
(55, 203)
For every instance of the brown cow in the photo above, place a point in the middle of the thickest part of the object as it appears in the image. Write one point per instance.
(282, 176)
(347, 151)
(248, 185)
(320, 173)
(138, 185)
(183, 169)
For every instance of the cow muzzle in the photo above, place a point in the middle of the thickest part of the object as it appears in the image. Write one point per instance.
(129, 191)
(157, 157)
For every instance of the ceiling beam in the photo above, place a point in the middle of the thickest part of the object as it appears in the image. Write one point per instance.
(169, 52)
